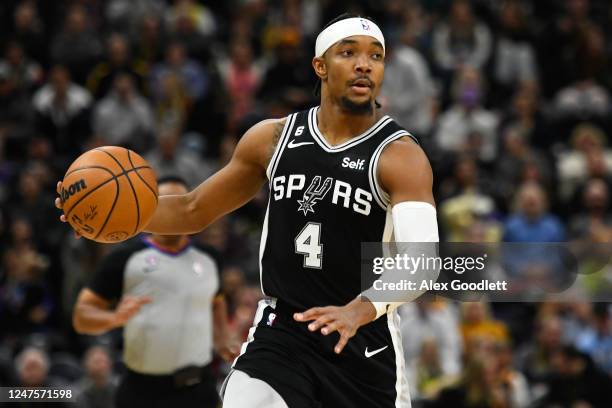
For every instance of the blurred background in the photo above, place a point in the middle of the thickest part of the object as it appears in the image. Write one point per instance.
(510, 98)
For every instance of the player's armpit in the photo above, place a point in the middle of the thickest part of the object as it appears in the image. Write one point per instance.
(405, 173)
(228, 189)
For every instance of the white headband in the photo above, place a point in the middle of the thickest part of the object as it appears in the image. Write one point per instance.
(346, 28)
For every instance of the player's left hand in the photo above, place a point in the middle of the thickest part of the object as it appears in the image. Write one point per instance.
(343, 319)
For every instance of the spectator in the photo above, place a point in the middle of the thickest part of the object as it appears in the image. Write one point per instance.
(513, 56)
(513, 380)
(477, 325)
(124, 15)
(124, 117)
(596, 341)
(32, 366)
(431, 343)
(21, 71)
(465, 200)
(149, 39)
(531, 221)
(29, 31)
(100, 80)
(519, 162)
(408, 89)
(535, 358)
(77, 46)
(169, 158)
(577, 381)
(587, 158)
(526, 117)
(98, 388)
(461, 41)
(190, 12)
(172, 106)
(194, 78)
(467, 125)
(25, 299)
(289, 77)
(242, 77)
(595, 212)
(478, 387)
(62, 109)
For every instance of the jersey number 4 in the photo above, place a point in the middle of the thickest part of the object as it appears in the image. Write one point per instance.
(308, 243)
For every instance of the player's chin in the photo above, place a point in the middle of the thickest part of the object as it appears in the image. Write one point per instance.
(357, 104)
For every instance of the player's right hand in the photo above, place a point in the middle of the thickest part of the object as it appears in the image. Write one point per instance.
(60, 206)
(128, 307)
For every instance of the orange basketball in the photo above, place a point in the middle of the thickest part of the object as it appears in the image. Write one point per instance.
(109, 194)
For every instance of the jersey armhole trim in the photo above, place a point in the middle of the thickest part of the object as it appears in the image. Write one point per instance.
(280, 146)
(380, 195)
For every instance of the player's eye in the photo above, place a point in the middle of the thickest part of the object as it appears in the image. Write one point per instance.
(346, 53)
(377, 56)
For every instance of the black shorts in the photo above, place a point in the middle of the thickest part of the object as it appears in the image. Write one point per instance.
(303, 368)
(161, 391)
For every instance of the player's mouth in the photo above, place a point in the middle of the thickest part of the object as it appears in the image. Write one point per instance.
(361, 86)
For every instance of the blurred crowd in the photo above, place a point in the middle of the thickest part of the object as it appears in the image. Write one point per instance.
(511, 100)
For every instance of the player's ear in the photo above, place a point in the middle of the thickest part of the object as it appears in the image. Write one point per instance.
(320, 67)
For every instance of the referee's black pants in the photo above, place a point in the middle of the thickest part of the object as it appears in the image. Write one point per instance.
(160, 391)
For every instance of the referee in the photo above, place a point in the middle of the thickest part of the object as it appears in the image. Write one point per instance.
(172, 312)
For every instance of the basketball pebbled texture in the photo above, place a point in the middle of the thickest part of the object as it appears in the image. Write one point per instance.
(109, 194)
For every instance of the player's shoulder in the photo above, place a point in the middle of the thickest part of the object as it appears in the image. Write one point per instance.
(402, 150)
(266, 128)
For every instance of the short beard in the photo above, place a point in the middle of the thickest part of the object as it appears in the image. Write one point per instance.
(353, 108)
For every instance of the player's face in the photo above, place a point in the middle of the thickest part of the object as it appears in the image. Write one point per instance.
(354, 72)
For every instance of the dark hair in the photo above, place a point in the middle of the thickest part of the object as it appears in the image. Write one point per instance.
(171, 178)
(317, 88)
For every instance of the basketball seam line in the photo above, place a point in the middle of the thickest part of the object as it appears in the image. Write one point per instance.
(99, 167)
(141, 178)
(113, 177)
(110, 212)
(131, 186)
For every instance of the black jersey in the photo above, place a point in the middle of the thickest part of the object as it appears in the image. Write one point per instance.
(324, 202)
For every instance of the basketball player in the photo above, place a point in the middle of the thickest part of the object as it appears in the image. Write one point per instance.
(339, 174)
(172, 311)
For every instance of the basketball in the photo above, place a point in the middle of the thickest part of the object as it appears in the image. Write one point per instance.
(109, 194)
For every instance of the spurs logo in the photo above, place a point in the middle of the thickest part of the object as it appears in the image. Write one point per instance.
(315, 192)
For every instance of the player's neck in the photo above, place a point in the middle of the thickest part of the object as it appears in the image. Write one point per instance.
(337, 125)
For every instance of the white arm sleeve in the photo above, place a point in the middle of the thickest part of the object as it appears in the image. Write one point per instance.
(413, 221)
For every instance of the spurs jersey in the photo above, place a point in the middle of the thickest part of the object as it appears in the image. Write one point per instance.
(324, 202)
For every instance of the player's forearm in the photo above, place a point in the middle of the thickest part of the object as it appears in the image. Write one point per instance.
(175, 215)
(89, 319)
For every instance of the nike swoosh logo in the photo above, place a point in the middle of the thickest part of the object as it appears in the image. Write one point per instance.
(292, 144)
(369, 354)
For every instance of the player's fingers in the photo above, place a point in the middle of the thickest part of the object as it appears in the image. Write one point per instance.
(310, 314)
(344, 338)
(58, 203)
(321, 321)
(63, 218)
(330, 328)
(58, 187)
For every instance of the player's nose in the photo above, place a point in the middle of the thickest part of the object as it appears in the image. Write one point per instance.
(363, 65)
